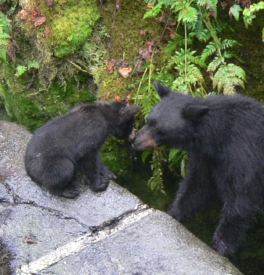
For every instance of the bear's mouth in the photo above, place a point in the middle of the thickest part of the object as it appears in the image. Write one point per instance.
(140, 146)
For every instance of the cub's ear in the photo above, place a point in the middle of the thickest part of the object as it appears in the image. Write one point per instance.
(129, 111)
(194, 111)
(161, 89)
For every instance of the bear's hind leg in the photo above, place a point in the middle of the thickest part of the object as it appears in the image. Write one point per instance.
(58, 177)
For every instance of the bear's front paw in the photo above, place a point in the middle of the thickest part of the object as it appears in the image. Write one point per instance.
(175, 213)
(69, 192)
(101, 185)
(222, 247)
(106, 172)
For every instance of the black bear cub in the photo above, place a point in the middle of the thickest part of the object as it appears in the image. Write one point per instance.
(73, 141)
(224, 136)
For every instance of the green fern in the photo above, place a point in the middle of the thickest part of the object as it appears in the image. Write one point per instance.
(208, 4)
(187, 65)
(212, 66)
(154, 11)
(183, 56)
(188, 15)
(250, 13)
(229, 43)
(209, 50)
(20, 70)
(228, 77)
(33, 64)
(155, 183)
(201, 32)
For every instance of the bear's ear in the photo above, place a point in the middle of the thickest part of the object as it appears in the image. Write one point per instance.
(129, 111)
(161, 89)
(194, 111)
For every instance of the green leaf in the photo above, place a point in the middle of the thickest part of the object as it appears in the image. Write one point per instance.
(154, 11)
(33, 64)
(228, 77)
(20, 70)
(229, 43)
(209, 50)
(188, 15)
(209, 4)
(215, 63)
(235, 11)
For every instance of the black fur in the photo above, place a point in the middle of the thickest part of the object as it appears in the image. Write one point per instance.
(66, 143)
(224, 136)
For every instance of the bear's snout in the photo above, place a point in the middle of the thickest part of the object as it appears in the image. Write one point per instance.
(143, 140)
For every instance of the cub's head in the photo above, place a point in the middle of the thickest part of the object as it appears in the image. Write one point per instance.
(121, 118)
(171, 121)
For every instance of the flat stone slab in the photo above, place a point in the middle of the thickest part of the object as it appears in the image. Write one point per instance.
(111, 232)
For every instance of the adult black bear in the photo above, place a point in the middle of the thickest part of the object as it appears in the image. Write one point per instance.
(224, 136)
(66, 143)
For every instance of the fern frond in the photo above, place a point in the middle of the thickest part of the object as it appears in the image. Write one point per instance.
(20, 70)
(197, 60)
(215, 64)
(178, 41)
(145, 154)
(182, 56)
(33, 64)
(209, 50)
(229, 43)
(3, 53)
(227, 77)
(194, 74)
(154, 11)
(209, 4)
(4, 36)
(201, 33)
(188, 15)
(180, 84)
(228, 54)
(177, 6)
(155, 183)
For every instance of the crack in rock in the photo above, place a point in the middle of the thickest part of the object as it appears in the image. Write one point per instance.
(99, 233)
(51, 211)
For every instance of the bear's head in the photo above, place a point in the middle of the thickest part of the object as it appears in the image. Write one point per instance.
(121, 119)
(172, 121)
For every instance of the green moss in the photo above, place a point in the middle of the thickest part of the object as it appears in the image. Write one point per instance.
(33, 106)
(71, 28)
(124, 26)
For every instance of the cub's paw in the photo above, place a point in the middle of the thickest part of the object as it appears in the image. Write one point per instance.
(69, 193)
(106, 172)
(101, 185)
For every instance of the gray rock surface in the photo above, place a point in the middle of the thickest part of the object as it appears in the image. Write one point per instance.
(111, 232)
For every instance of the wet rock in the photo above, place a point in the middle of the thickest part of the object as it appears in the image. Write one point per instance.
(111, 232)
